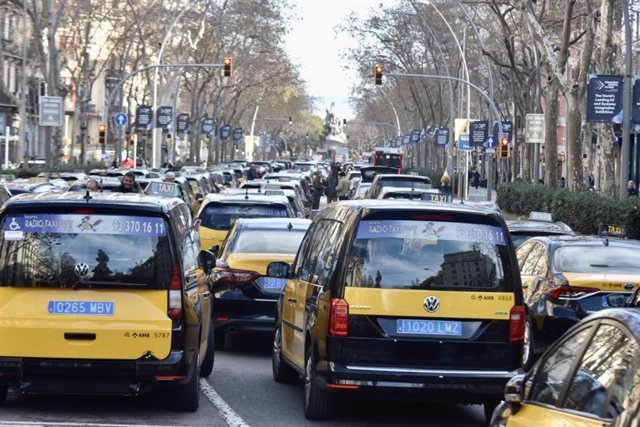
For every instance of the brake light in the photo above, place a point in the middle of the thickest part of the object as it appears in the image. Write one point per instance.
(516, 324)
(566, 293)
(229, 275)
(339, 317)
(175, 293)
(84, 211)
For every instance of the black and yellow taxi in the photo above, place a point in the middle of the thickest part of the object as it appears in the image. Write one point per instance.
(103, 294)
(220, 210)
(566, 278)
(244, 297)
(589, 378)
(400, 299)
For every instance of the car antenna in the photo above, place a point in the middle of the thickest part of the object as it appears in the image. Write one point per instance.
(87, 196)
(246, 194)
(290, 227)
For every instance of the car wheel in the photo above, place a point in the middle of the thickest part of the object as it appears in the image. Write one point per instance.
(528, 353)
(318, 403)
(207, 362)
(220, 339)
(282, 372)
(186, 397)
(489, 407)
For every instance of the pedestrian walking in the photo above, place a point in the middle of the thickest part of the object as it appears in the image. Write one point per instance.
(318, 189)
(631, 188)
(476, 179)
(343, 186)
(445, 183)
(331, 186)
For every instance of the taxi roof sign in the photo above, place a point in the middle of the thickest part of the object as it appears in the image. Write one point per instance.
(609, 230)
(540, 216)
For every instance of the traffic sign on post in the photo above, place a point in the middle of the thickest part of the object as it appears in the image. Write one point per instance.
(120, 119)
(534, 128)
(51, 111)
(238, 134)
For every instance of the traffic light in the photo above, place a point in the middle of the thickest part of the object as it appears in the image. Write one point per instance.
(227, 67)
(504, 148)
(102, 133)
(378, 72)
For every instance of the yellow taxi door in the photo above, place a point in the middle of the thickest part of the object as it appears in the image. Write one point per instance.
(539, 416)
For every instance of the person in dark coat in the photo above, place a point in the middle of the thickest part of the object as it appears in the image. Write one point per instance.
(476, 179)
(128, 184)
(331, 187)
(318, 189)
(251, 173)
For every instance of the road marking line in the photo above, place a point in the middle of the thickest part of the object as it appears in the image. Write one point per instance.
(228, 415)
(68, 424)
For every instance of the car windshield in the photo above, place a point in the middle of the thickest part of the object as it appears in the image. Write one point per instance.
(597, 259)
(72, 250)
(268, 241)
(401, 254)
(220, 216)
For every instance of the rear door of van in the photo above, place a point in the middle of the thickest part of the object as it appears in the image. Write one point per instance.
(85, 284)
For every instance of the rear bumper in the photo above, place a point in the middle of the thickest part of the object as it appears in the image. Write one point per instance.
(235, 312)
(452, 385)
(97, 377)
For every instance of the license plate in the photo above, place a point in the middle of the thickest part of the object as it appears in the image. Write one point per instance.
(92, 308)
(273, 283)
(429, 327)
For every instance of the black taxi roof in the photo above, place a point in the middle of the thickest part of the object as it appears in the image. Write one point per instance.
(378, 205)
(567, 240)
(78, 199)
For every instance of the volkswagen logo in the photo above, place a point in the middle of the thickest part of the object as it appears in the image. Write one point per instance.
(628, 286)
(431, 304)
(81, 270)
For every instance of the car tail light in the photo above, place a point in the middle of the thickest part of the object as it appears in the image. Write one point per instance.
(229, 275)
(175, 293)
(566, 293)
(169, 377)
(517, 321)
(339, 317)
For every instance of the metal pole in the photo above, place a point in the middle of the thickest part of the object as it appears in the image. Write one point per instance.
(7, 135)
(626, 104)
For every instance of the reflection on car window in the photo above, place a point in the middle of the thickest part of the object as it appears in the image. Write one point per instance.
(529, 266)
(221, 216)
(427, 255)
(553, 371)
(597, 259)
(607, 369)
(268, 241)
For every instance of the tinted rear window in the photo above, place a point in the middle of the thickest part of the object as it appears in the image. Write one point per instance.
(221, 216)
(597, 259)
(429, 254)
(268, 241)
(90, 251)
(405, 183)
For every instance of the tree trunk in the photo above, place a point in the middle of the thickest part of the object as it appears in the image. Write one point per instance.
(573, 154)
(551, 134)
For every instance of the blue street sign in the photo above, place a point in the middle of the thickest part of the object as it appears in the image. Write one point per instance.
(489, 143)
(463, 142)
(120, 119)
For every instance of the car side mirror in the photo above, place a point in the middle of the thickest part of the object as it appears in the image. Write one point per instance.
(214, 250)
(278, 269)
(199, 198)
(207, 260)
(617, 300)
(514, 392)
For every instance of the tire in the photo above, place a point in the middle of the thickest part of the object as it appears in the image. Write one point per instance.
(528, 347)
(318, 403)
(282, 372)
(220, 339)
(186, 397)
(207, 362)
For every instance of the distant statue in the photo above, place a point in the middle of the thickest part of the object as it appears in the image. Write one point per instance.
(333, 126)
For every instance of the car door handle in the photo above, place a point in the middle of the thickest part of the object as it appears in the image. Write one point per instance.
(292, 299)
(206, 294)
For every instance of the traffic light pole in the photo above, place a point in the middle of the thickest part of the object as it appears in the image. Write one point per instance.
(105, 114)
(487, 98)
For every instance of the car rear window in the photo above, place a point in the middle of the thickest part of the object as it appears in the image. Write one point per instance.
(447, 254)
(405, 183)
(220, 216)
(597, 259)
(268, 241)
(84, 251)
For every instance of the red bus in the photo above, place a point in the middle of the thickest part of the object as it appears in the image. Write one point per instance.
(386, 156)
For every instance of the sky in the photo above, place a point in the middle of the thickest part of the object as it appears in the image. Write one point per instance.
(314, 46)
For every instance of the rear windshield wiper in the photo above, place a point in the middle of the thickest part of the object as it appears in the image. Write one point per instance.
(107, 283)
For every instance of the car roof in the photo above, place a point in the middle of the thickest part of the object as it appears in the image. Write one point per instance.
(76, 199)
(375, 205)
(244, 198)
(272, 223)
(567, 240)
(630, 317)
(405, 190)
(402, 176)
